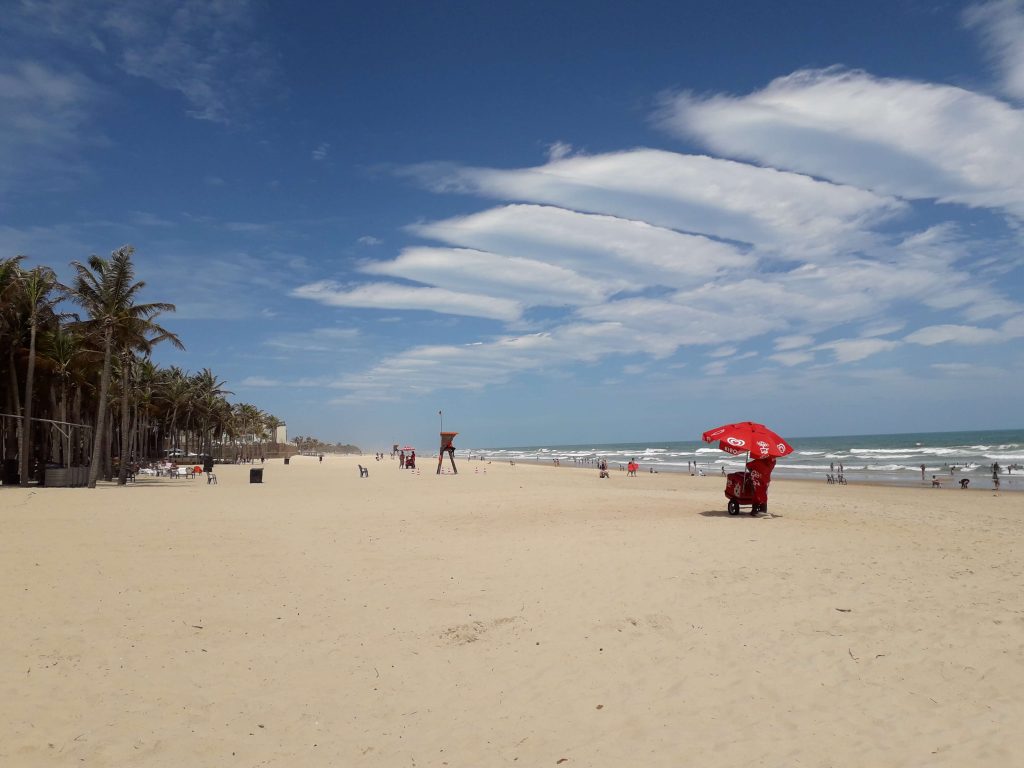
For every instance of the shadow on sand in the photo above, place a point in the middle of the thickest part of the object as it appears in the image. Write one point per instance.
(741, 516)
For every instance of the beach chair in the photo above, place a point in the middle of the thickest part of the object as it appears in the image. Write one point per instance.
(363, 471)
(840, 480)
(211, 478)
(830, 480)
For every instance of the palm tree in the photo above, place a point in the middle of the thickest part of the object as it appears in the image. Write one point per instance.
(105, 289)
(62, 348)
(173, 391)
(207, 395)
(40, 293)
(139, 335)
(10, 321)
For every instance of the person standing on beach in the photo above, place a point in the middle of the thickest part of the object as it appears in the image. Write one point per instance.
(922, 471)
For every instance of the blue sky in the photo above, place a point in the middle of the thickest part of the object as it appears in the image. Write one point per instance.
(557, 222)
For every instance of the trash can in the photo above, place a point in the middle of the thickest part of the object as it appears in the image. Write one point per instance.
(286, 459)
(256, 475)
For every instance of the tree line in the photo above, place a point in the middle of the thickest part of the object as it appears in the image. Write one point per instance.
(95, 368)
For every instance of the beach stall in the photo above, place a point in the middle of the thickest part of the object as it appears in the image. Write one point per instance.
(763, 447)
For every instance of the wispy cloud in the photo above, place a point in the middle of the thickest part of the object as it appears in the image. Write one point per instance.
(672, 252)
(1001, 24)
(895, 137)
(526, 281)
(393, 296)
(558, 150)
(206, 51)
(315, 340)
(47, 118)
(689, 193)
(627, 254)
(321, 152)
(958, 334)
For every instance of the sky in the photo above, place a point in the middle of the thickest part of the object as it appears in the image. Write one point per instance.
(557, 222)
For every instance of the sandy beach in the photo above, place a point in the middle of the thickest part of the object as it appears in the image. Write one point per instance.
(526, 615)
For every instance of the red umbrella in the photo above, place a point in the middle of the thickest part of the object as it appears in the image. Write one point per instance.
(747, 436)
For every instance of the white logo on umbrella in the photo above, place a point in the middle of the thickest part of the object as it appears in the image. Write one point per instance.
(736, 441)
(763, 446)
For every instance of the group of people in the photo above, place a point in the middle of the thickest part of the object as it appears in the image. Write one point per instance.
(407, 462)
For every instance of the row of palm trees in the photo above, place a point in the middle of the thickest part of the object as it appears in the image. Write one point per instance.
(313, 445)
(97, 371)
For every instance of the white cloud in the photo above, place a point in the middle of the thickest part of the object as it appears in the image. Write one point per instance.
(391, 296)
(791, 359)
(321, 152)
(558, 150)
(690, 193)
(956, 334)
(794, 341)
(528, 282)
(625, 254)
(723, 352)
(1001, 24)
(369, 240)
(896, 137)
(854, 350)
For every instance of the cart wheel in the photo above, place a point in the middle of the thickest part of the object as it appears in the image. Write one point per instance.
(734, 507)
(754, 509)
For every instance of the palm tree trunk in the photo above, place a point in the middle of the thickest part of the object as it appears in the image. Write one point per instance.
(64, 418)
(101, 410)
(122, 472)
(15, 396)
(25, 447)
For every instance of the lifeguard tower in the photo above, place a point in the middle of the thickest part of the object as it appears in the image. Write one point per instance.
(446, 446)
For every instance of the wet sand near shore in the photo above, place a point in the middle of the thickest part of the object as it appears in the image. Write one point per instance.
(507, 615)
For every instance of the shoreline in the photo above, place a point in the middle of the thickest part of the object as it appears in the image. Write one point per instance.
(1008, 483)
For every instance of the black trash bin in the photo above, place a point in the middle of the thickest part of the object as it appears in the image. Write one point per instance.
(286, 459)
(256, 475)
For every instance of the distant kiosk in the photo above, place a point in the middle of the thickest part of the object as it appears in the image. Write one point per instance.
(446, 445)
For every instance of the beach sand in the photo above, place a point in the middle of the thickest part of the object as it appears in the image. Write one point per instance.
(526, 615)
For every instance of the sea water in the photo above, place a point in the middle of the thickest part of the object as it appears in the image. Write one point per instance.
(892, 459)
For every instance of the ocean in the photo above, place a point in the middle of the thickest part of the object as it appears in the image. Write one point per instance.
(887, 459)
